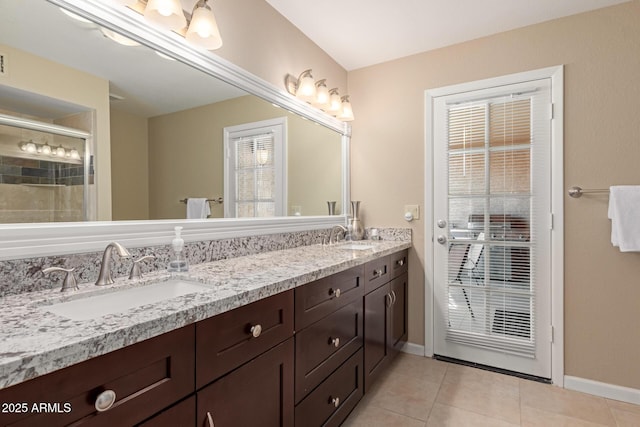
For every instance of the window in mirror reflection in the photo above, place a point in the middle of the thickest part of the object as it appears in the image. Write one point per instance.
(255, 169)
(42, 177)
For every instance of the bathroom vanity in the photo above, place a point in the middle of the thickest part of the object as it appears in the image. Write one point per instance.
(281, 338)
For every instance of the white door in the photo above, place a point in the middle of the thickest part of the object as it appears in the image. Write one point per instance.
(492, 226)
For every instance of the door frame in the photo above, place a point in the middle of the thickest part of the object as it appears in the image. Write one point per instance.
(556, 74)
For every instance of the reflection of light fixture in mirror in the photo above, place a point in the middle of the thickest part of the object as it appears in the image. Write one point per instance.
(322, 94)
(203, 30)
(306, 86)
(346, 113)
(76, 17)
(29, 147)
(166, 13)
(162, 55)
(59, 151)
(74, 154)
(334, 101)
(118, 38)
(45, 149)
(130, 3)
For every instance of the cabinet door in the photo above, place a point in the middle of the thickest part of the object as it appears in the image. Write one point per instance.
(259, 393)
(399, 322)
(182, 414)
(376, 333)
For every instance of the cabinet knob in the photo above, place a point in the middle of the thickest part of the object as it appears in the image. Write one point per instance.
(256, 330)
(105, 400)
(335, 293)
(335, 401)
(401, 262)
(377, 273)
(334, 341)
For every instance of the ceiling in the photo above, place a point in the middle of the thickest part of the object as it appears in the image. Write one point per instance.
(359, 33)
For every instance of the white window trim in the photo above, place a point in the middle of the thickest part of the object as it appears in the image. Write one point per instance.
(280, 163)
(556, 74)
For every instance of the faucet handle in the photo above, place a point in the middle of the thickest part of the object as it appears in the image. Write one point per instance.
(70, 281)
(136, 271)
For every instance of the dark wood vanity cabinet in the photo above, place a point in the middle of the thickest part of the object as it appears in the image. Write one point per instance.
(146, 378)
(385, 321)
(303, 357)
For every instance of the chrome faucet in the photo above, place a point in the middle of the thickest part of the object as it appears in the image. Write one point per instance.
(104, 278)
(339, 228)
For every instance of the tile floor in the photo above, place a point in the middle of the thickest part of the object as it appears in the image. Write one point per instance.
(422, 392)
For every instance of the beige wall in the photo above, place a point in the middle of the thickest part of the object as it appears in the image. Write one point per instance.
(37, 75)
(185, 157)
(266, 44)
(602, 147)
(130, 162)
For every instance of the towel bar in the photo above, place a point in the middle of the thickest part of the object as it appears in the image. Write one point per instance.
(577, 192)
(218, 200)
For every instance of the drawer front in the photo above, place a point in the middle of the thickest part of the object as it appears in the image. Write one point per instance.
(228, 340)
(398, 263)
(325, 345)
(259, 393)
(376, 273)
(335, 398)
(318, 299)
(146, 378)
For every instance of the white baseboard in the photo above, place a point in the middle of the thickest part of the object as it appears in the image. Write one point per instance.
(412, 348)
(610, 391)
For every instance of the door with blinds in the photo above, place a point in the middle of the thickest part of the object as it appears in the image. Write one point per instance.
(492, 241)
(255, 173)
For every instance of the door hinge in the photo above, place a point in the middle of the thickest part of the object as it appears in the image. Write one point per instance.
(552, 111)
(552, 334)
(551, 221)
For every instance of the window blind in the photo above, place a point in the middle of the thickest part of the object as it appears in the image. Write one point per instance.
(491, 246)
(255, 175)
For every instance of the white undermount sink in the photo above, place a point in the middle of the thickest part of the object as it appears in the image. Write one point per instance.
(355, 246)
(91, 307)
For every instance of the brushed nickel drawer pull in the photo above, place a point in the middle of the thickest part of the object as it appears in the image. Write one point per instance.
(335, 293)
(105, 400)
(377, 273)
(395, 298)
(389, 299)
(335, 401)
(256, 330)
(334, 341)
(210, 420)
(400, 262)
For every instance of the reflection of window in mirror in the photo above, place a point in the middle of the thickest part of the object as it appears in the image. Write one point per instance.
(255, 172)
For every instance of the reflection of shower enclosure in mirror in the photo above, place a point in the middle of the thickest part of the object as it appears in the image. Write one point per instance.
(44, 176)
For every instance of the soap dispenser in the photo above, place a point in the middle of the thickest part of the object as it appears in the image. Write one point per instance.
(178, 263)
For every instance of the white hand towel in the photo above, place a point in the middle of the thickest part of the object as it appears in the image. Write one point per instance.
(197, 208)
(624, 212)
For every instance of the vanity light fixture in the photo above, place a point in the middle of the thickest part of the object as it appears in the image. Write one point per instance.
(306, 86)
(47, 150)
(166, 13)
(203, 29)
(346, 112)
(334, 101)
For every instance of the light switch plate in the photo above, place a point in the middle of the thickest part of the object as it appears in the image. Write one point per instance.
(414, 209)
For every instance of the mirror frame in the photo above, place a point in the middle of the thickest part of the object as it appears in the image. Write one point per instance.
(45, 239)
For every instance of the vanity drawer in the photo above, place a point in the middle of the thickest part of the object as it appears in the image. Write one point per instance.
(325, 345)
(146, 378)
(318, 299)
(376, 273)
(228, 340)
(398, 263)
(335, 398)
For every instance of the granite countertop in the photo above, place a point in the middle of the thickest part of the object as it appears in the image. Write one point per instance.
(34, 341)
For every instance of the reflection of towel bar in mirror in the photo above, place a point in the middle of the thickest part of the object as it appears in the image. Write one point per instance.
(577, 192)
(218, 200)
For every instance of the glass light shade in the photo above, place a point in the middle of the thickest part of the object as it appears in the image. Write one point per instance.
(129, 3)
(45, 149)
(346, 113)
(74, 154)
(118, 38)
(29, 147)
(166, 13)
(306, 87)
(322, 94)
(203, 30)
(334, 101)
(60, 152)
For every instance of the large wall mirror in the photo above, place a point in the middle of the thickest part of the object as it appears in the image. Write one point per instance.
(158, 114)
